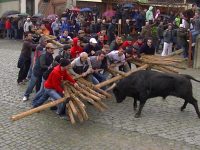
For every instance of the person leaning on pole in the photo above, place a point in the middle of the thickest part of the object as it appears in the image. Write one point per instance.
(53, 85)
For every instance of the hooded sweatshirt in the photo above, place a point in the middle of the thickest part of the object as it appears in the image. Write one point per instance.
(75, 50)
(149, 14)
(56, 77)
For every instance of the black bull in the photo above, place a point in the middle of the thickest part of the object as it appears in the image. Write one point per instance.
(146, 84)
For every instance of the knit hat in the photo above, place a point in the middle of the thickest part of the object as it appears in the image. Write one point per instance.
(64, 62)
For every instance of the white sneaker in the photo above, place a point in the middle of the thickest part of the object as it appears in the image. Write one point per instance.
(25, 98)
(193, 44)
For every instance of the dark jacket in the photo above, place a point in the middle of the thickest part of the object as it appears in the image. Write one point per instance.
(168, 36)
(88, 48)
(127, 29)
(27, 49)
(114, 45)
(147, 50)
(42, 64)
(160, 30)
(182, 37)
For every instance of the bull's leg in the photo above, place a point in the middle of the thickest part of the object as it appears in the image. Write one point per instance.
(135, 104)
(138, 114)
(194, 103)
(184, 105)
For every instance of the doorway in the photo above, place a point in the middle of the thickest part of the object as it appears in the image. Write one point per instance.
(30, 7)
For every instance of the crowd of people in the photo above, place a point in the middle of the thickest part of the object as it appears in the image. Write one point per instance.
(93, 46)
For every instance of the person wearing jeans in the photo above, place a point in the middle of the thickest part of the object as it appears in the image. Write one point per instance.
(168, 41)
(52, 85)
(41, 65)
(25, 56)
(98, 66)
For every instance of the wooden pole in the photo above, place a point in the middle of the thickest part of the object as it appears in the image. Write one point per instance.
(92, 91)
(70, 114)
(102, 84)
(71, 105)
(95, 88)
(84, 91)
(116, 71)
(37, 109)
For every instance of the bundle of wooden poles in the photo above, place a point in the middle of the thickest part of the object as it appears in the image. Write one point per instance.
(86, 92)
(169, 64)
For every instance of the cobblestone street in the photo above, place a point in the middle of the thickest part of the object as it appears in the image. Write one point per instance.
(162, 125)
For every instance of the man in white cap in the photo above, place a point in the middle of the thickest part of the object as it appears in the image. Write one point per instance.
(27, 25)
(91, 48)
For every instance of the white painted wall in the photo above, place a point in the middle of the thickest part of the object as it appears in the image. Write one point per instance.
(13, 5)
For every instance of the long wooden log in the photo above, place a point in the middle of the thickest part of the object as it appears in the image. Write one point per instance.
(38, 109)
(92, 91)
(103, 105)
(79, 102)
(162, 69)
(71, 105)
(113, 71)
(89, 99)
(79, 94)
(147, 61)
(94, 97)
(95, 88)
(98, 106)
(82, 109)
(53, 41)
(79, 115)
(70, 114)
(170, 69)
(102, 84)
(154, 58)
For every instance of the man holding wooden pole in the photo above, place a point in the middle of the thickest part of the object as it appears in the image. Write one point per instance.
(53, 86)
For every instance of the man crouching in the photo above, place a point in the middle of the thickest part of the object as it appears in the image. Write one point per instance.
(53, 86)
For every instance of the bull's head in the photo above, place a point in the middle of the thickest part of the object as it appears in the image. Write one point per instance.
(119, 96)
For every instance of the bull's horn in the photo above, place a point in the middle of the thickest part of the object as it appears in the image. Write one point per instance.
(111, 87)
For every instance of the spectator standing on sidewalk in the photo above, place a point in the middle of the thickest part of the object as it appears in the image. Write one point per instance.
(27, 25)
(8, 28)
(55, 26)
(25, 58)
(168, 41)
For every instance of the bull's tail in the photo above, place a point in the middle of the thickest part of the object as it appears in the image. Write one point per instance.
(190, 77)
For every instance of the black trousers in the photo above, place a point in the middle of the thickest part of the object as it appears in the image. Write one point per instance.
(24, 70)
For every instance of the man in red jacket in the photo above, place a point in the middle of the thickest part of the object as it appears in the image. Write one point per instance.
(53, 86)
(76, 49)
(8, 28)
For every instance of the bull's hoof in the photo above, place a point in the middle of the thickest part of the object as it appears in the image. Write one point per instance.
(135, 108)
(182, 108)
(137, 115)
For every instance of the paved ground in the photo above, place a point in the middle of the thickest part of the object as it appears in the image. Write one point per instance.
(162, 126)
